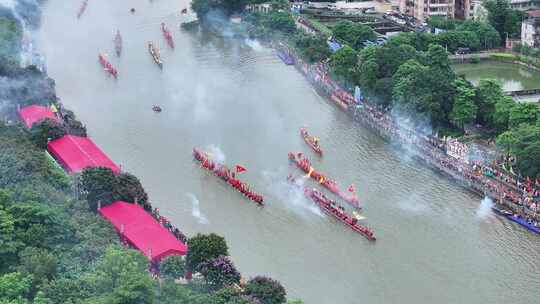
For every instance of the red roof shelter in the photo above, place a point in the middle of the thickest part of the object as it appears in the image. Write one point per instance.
(142, 231)
(34, 113)
(76, 153)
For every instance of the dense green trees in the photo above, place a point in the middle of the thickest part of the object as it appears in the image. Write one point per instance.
(220, 272)
(266, 290)
(426, 91)
(523, 142)
(464, 108)
(504, 19)
(99, 185)
(344, 62)
(203, 248)
(312, 48)
(173, 267)
(487, 35)
(46, 130)
(102, 184)
(227, 7)
(281, 21)
(353, 34)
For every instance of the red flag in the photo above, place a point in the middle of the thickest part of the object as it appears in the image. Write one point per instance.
(240, 169)
(351, 188)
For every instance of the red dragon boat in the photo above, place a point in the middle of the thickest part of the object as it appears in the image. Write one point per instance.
(82, 9)
(225, 174)
(167, 35)
(305, 165)
(332, 208)
(312, 141)
(118, 43)
(107, 66)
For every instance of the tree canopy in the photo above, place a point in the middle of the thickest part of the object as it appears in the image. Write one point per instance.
(353, 34)
(266, 290)
(503, 18)
(344, 62)
(203, 248)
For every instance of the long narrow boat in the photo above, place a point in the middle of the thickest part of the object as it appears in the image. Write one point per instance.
(523, 222)
(107, 66)
(305, 165)
(118, 43)
(332, 208)
(327, 205)
(154, 52)
(82, 9)
(223, 172)
(167, 35)
(311, 141)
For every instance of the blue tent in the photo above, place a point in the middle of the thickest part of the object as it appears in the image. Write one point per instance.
(334, 45)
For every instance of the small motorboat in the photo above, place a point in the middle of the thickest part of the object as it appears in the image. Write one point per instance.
(156, 109)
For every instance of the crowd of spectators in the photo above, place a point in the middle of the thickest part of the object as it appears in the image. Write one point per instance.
(521, 196)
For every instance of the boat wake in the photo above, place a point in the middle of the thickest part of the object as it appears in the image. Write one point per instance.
(196, 210)
(484, 210)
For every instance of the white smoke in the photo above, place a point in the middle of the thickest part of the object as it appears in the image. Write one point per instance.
(413, 204)
(484, 210)
(196, 209)
(216, 154)
(291, 194)
(201, 110)
(254, 44)
(8, 3)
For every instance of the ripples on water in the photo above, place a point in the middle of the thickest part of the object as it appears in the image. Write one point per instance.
(238, 96)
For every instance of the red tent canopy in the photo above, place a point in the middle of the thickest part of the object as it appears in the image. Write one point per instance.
(142, 230)
(32, 114)
(77, 153)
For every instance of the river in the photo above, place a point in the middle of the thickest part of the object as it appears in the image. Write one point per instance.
(437, 242)
(513, 77)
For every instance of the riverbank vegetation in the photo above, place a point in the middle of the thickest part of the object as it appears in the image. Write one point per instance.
(410, 75)
(54, 247)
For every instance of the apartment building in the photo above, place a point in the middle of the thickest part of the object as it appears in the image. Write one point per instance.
(530, 29)
(423, 9)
